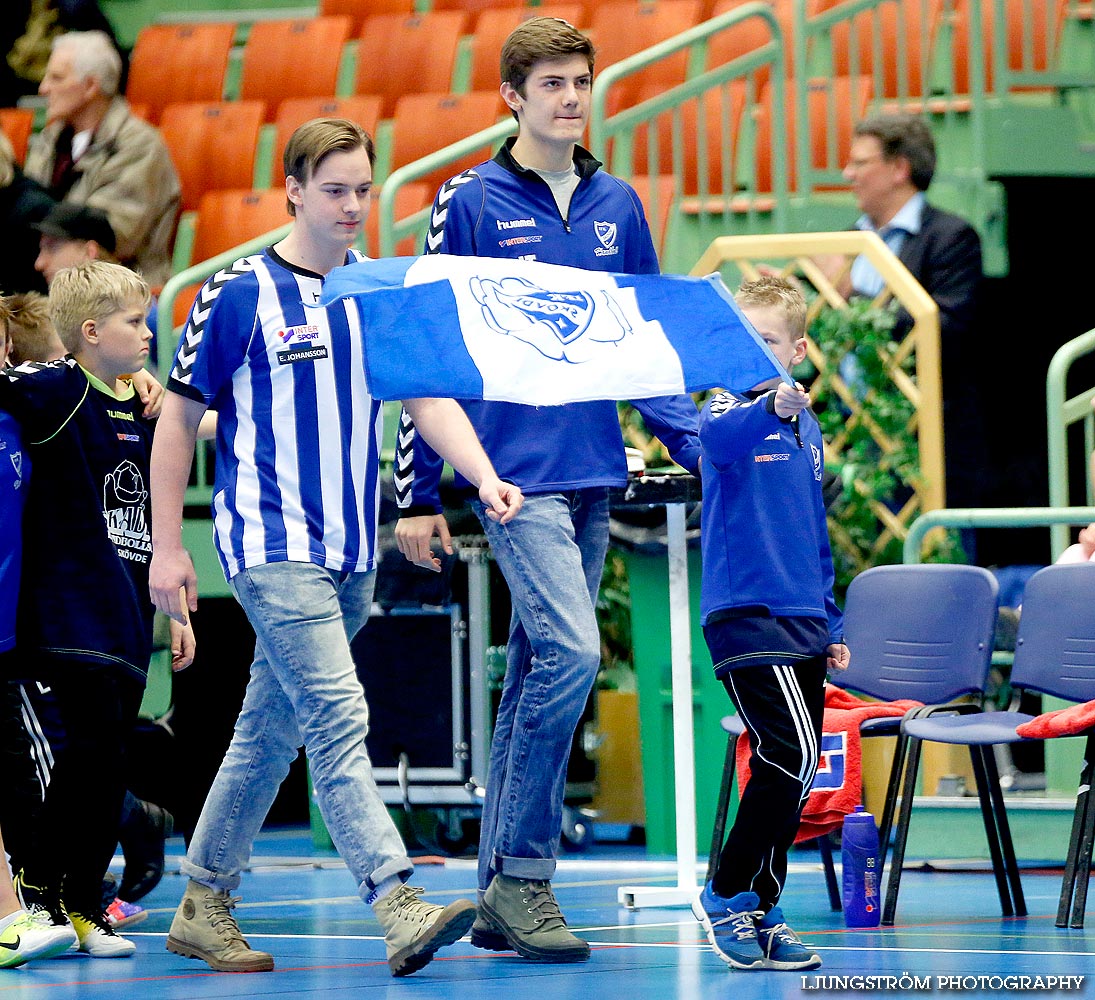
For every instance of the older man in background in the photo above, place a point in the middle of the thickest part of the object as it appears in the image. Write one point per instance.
(94, 151)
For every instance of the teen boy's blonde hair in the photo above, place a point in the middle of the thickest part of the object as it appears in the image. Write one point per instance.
(92, 290)
(772, 292)
(315, 140)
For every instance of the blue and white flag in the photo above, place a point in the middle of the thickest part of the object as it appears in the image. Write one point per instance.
(527, 332)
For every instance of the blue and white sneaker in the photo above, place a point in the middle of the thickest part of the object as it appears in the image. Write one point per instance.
(781, 947)
(730, 925)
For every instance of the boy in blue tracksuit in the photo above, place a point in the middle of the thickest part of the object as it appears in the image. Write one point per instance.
(545, 198)
(771, 624)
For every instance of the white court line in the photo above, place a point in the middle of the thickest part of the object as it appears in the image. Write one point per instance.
(264, 862)
(465, 891)
(967, 951)
(699, 945)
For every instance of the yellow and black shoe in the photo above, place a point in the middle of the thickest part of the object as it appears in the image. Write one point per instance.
(98, 939)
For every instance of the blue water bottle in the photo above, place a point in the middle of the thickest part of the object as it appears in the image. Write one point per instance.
(862, 874)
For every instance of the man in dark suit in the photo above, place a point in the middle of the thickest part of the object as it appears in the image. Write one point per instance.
(889, 169)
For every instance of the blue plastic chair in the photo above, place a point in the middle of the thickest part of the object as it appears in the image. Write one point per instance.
(1054, 654)
(921, 632)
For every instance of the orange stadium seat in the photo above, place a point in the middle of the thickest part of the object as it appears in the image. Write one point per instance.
(225, 219)
(720, 114)
(492, 29)
(358, 10)
(212, 145)
(229, 217)
(839, 102)
(620, 29)
(178, 62)
(407, 55)
(424, 123)
(901, 36)
(292, 58)
(475, 9)
(752, 33)
(295, 111)
(1031, 39)
(749, 35)
(17, 124)
(410, 198)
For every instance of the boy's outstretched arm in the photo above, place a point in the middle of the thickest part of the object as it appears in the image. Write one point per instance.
(172, 583)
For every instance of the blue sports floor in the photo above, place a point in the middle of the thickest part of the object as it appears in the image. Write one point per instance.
(300, 905)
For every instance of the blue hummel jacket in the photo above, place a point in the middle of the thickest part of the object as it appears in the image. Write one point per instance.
(764, 538)
(499, 209)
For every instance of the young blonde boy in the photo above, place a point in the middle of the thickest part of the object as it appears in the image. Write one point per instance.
(31, 331)
(84, 618)
(771, 625)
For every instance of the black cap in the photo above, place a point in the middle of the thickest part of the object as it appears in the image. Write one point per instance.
(69, 221)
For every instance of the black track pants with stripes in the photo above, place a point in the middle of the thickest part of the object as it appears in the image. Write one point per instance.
(21, 799)
(782, 708)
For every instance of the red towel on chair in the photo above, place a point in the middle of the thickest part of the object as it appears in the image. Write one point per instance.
(1063, 722)
(838, 785)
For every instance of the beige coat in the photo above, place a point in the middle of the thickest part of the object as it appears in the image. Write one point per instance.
(127, 172)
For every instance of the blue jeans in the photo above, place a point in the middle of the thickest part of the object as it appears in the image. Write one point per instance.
(303, 689)
(552, 555)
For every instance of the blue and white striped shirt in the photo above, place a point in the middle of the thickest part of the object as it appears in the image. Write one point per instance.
(298, 434)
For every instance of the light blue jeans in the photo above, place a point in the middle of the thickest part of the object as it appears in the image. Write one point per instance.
(303, 690)
(551, 555)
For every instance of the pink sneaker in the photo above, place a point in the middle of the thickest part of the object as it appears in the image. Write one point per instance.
(123, 914)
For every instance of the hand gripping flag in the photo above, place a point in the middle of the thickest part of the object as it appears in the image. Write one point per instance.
(526, 332)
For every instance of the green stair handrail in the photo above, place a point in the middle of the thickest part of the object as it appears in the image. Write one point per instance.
(990, 517)
(1062, 412)
(165, 307)
(392, 230)
(606, 130)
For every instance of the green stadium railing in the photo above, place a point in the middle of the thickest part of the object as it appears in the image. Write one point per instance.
(1062, 413)
(990, 517)
(613, 134)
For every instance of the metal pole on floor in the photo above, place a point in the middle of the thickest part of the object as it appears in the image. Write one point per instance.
(684, 770)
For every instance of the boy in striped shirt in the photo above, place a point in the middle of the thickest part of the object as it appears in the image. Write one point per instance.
(295, 507)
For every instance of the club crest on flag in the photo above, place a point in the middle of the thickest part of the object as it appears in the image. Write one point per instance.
(497, 329)
(553, 322)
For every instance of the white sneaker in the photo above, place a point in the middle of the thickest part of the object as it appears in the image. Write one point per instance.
(98, 939)
(32, 936)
